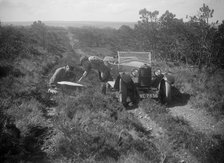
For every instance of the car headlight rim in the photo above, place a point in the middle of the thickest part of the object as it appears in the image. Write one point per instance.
(135, 73)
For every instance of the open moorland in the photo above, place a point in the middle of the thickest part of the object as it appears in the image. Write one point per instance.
(86, 126)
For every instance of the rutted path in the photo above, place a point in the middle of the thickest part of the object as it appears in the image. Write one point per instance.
(148, 123)
(75, 44)
(160, 137)
(198, 119)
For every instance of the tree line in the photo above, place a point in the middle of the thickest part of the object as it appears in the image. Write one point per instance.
(196, 41)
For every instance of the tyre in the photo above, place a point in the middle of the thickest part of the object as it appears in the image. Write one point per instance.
(165, 92)
(123, 92)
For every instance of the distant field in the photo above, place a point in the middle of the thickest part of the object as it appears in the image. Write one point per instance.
(98, 24)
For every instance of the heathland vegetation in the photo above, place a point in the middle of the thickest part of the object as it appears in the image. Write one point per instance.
(90, 127)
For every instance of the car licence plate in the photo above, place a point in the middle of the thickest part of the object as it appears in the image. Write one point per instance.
(149, 95)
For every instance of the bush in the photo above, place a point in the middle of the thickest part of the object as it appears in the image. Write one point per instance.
(206, 89)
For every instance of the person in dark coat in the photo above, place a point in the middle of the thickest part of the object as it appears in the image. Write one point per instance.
(127, 88)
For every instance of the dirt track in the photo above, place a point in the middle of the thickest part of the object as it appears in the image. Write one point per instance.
(148, 123)
(160, 137)
(75, 44)
(198, 119)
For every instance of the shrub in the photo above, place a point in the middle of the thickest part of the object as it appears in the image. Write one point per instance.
(87, 126)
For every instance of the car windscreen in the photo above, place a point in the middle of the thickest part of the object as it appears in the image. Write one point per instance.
(129, 60)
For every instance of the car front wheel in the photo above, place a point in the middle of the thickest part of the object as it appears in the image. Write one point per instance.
(164, 92)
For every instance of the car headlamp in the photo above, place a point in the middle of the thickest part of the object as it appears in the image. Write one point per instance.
(157, 72)
(135, 73)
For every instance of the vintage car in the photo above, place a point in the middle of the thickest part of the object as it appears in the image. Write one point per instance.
(138, 65)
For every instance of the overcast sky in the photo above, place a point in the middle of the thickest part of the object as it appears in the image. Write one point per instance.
(100, 10)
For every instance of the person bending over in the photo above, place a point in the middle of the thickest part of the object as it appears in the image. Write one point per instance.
(95, 63)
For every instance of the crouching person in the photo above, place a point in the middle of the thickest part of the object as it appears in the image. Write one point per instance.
(61, 74)
(127, 88)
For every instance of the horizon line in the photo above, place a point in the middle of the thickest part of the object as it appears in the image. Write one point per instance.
(68, 21)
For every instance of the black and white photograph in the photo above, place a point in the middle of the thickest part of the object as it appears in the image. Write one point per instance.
(111, 81)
